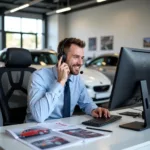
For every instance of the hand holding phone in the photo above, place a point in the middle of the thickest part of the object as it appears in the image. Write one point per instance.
(63, 72)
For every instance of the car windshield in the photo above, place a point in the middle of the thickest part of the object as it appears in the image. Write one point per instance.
(40, 58)
(104, 61)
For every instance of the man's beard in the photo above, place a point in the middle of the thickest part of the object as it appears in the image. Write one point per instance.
(72, 70)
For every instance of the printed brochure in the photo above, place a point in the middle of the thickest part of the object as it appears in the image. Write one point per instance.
(42, 136)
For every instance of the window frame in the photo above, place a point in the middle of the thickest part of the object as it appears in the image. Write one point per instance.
(43, 35)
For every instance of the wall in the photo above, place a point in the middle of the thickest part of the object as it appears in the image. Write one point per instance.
(128, 21)
(62, 27)
(56, 30)
(53, 31)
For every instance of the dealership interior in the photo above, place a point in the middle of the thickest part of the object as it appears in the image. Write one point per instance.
(114, 71)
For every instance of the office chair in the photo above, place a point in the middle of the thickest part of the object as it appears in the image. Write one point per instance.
(1, 119)
(14, 79)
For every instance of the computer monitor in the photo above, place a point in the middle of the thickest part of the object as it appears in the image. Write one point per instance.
(133, 71)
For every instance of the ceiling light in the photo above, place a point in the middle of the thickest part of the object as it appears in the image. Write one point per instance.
(100, 1)
(23, 6)
(75, 6)
(63, 10)
(18, 8)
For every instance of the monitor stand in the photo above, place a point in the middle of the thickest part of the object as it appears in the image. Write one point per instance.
(138, 126)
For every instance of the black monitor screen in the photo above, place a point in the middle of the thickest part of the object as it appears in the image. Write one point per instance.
(132, 83)
(133, 66)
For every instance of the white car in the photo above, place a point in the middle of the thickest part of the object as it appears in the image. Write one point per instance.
(105, 63)
(98, 85)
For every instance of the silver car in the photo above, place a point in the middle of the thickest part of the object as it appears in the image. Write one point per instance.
(43, 58)
(105, 63)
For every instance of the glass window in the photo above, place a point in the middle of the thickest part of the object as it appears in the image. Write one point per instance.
(39, 26)
(0, 40)
(23, 26)
(3, 57)
(29, 25)
(12, 24)
(53, 58)
(98, 62)
(13, 40)
(105, 61)
(29, 41)
(111, 61)
(40, 42)
(40, 58)
(0, 22)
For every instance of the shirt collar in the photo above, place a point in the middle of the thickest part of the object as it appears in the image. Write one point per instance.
(71, 77)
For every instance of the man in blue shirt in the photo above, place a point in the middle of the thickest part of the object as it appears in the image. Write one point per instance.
(46, 87)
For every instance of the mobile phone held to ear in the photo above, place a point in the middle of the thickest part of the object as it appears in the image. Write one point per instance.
(63, 58)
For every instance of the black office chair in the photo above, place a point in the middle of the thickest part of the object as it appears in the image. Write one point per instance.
(14, 79)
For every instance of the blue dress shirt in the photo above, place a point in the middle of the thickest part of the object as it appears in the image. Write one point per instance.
(46, 96)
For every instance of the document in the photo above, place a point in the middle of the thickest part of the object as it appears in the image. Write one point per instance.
(43, 137)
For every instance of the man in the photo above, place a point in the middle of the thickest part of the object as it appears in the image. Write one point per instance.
(46, 89)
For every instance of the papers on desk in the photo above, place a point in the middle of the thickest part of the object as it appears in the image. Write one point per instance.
(56, 125)
(42, 136)
(142, 146)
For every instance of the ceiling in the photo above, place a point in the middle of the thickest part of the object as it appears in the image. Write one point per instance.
(49, 6)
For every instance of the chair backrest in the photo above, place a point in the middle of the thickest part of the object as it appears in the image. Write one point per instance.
(14, 79)
(1, 118)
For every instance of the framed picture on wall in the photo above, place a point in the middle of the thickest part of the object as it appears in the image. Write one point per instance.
(92, 44)
(146, 42)
(107, 42)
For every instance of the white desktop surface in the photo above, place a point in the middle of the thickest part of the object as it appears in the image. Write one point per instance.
(119, 139)
(142, 146)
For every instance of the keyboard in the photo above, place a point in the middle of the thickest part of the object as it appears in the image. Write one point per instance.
(98, 122)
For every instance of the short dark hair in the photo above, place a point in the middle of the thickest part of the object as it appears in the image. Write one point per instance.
(65, 44)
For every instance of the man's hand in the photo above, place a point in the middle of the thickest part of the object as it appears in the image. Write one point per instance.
(63, 72)
(99, 112)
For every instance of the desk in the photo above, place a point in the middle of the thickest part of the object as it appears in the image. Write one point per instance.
(118, 140)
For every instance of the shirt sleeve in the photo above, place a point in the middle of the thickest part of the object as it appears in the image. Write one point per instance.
(41, 101)
(85, 102)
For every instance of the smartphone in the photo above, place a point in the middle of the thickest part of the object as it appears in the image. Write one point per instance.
(63, 58)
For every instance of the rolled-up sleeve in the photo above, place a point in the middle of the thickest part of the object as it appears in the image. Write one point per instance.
(41, 100)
